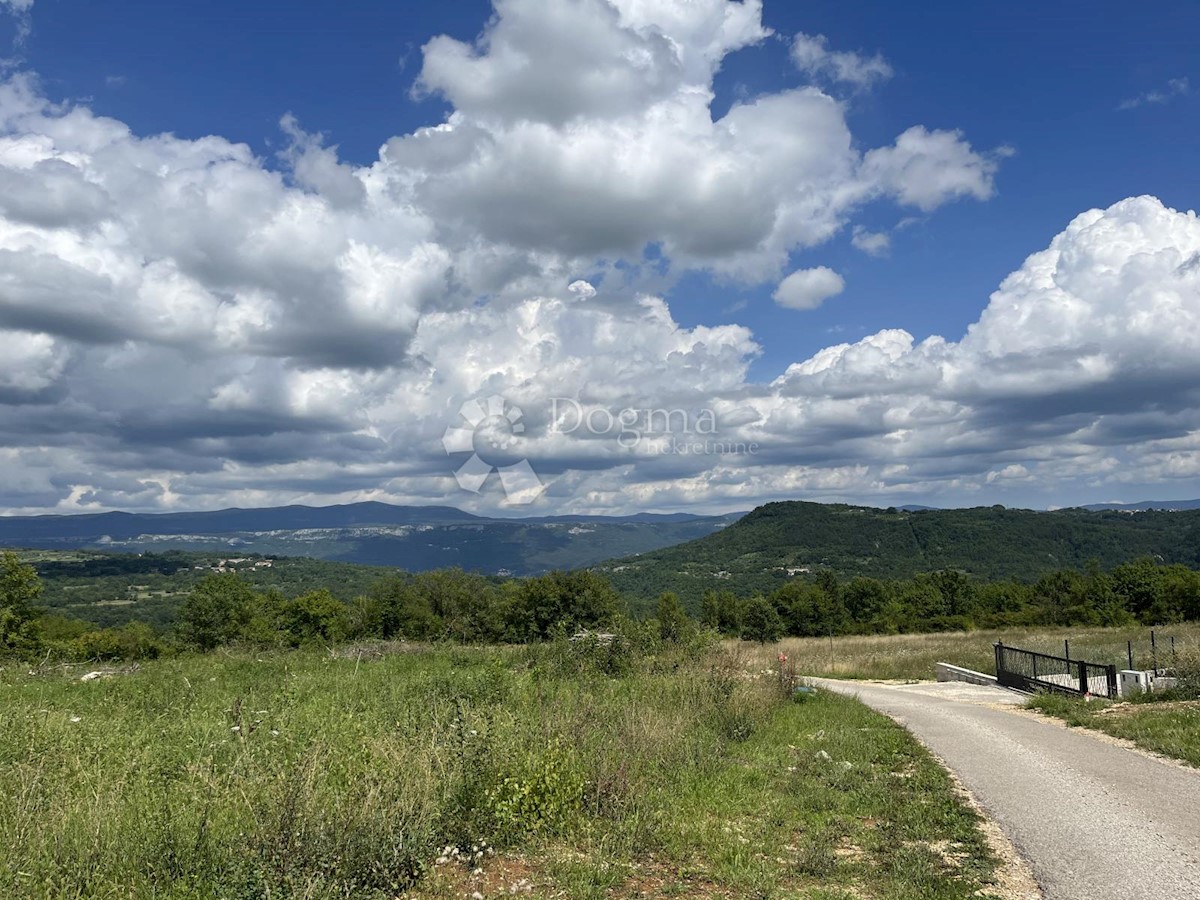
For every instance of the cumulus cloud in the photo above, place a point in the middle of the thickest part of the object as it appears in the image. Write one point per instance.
(557, 62)
(872, 243)
(1175, 87)
(925, 168)
(812, 55)
(187, 324)
(808, 288)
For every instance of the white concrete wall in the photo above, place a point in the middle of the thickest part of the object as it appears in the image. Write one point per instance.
(948, 672)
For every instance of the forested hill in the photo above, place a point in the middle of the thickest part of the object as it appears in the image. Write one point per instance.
(416, 538)
(781, 540)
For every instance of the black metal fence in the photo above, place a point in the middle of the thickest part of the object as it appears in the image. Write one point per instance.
(1027, 670)
(1157, 656)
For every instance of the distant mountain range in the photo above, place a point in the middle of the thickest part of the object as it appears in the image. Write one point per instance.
(783, 540)
(416, 538)
(647, 553)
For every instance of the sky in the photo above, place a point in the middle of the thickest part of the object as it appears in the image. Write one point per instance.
(597, 256)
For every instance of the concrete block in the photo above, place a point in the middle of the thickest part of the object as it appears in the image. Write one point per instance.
(948, 672)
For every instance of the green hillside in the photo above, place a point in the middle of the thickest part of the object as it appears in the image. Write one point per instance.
(111, 589)
(782, 540)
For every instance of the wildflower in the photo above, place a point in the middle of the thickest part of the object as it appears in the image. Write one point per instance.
(76, 719)
(236, 728)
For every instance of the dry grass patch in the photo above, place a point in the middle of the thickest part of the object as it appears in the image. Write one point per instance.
(912, 657)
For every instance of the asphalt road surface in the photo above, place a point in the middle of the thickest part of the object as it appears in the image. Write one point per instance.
(1096, 821)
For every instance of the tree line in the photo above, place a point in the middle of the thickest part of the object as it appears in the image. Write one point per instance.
(1143, 591)
(454, 605)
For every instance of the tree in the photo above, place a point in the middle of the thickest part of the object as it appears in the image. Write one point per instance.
(574, 600)
(463, 603)
(808, 609)
(673, 622)
(217, 611)
(316, 617)
(721, 610)
(958, 594)
(760, 622)
(19, 589)
(403, 611)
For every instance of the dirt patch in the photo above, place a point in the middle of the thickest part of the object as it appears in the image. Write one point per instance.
(508, 875)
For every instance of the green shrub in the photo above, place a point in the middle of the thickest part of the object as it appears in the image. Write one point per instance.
(543, 794)
(134, 641)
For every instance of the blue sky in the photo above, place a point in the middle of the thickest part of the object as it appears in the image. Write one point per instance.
(1065, 108)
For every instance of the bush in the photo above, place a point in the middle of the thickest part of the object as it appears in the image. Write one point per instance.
(134, 641)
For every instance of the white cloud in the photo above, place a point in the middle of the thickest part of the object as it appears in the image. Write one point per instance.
(808, 288)
(812, 55)
(872, 243)
(1081, 371)
(190, 325)
(1175, 87)
(925, 168)
(599, 147)
(556, 62)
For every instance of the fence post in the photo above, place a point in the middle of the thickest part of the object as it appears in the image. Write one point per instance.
(1153, 652)
(999, 648)
(1084, 687)
(1066, 648)
(1129, 648)
(1111, 672)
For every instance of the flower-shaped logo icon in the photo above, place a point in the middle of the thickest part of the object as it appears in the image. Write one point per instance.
(491, 431)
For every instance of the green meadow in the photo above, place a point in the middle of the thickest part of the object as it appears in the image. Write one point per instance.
(401, 770)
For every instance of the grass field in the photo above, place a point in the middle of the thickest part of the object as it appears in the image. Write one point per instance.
(912, 656)
(445, 773)
(1170, 728)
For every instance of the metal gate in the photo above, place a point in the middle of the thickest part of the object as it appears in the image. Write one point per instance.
(1027, 670)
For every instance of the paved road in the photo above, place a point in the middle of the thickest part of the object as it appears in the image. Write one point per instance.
(1096, 821)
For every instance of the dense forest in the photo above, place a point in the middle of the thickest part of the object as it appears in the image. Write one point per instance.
(778, 541)
(224, 607)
